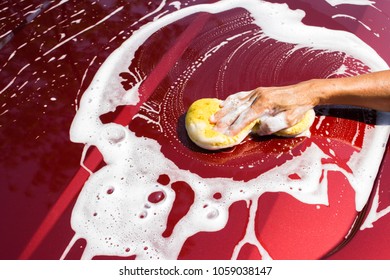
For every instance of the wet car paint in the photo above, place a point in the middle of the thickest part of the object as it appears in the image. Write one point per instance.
(49, 58)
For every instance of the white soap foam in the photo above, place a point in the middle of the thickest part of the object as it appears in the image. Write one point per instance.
(113, 212)
(353, 18)
(157, 10)
(374, 215)
(364, 173)
(250, 237)
(351, 2)
(271, 124)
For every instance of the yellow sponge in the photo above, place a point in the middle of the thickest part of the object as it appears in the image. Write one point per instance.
(201, 131)
(300, 127)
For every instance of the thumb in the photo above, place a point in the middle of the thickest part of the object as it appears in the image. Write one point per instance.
(271, 124)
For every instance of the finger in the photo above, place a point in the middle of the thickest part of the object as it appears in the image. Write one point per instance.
(229, 105)
(215, 118)
(271, 124)
(235, 98)
(296, 115)
(242, 121)
(226, 121)
(232, 103)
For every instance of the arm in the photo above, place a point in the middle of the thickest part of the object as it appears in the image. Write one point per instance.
(368, 90)
(238, 110)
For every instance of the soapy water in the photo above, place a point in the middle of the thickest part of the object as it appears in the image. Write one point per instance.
(123, 208)
(351, 2)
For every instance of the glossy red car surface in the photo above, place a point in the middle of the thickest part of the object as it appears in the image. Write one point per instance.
(49, 54)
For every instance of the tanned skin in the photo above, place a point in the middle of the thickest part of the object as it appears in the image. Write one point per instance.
(238, 110)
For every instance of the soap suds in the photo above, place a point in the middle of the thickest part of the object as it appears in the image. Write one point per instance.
(351, 2)
(113, 212)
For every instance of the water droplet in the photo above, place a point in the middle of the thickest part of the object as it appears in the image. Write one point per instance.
(294, 176)
(156, 197)
(163, 179)
(217, 196)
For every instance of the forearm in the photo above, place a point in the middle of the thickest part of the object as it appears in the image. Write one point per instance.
(238, 110)
(368, 90)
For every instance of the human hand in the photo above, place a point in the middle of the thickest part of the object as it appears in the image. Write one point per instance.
(276, 108)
